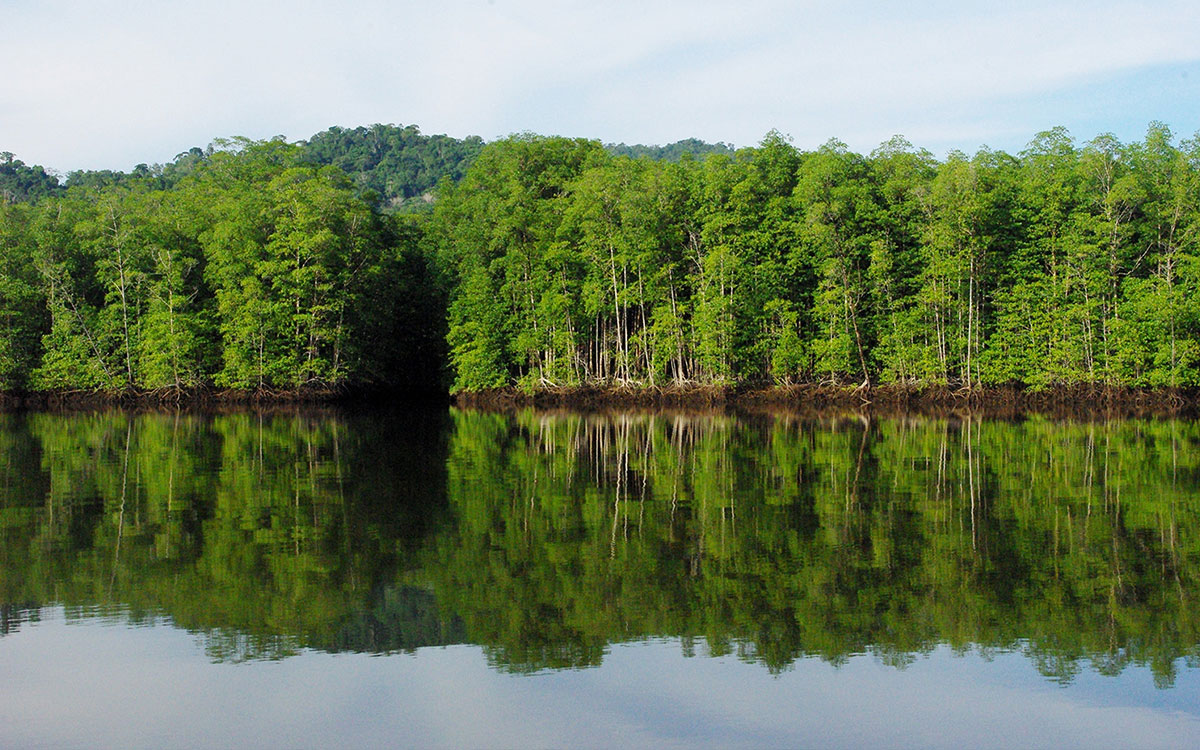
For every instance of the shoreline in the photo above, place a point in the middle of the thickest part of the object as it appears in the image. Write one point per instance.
(1010, 401)
(1002, 401)
(213, 398)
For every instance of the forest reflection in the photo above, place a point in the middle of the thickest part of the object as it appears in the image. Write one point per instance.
(546, 538)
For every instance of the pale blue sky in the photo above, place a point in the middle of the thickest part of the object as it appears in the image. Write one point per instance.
(108, 83)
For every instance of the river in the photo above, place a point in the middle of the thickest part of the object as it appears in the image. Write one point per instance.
(431, 577)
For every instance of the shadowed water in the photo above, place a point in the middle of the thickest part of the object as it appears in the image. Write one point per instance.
(663, 579)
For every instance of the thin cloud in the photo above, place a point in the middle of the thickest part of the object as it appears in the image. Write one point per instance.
(110, 84)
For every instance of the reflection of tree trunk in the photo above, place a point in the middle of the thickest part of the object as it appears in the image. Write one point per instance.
(121, 515)
(940, 485)
(341, 492)
(971, 481)
(1056, 543)
(529, 506)
(858, 461)
(171, 469)
(612, 541)
(296, 509)
(622, 464)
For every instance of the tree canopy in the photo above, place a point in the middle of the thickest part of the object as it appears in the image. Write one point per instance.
(382, 255)
(256, 270)
(1062, 265)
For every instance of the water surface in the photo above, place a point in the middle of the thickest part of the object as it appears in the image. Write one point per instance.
(457, 578)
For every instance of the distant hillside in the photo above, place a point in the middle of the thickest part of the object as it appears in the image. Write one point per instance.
(20, 183)
(397, 163)
(401, 165)
(671, 152)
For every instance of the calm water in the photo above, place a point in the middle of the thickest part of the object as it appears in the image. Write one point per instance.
(466, 579)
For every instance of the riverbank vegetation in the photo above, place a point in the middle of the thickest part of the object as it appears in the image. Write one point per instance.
(545, 263)
(1061, 266)
(255, 271)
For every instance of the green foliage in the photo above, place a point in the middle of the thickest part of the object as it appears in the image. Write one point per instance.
(838, 208)
(789, 354)
(688, 148)
(20, 183)
(1061, 266)
(499, 229)
(74, 352)
(394, 162)
(22, 303)
(545, 262)
(252, 270)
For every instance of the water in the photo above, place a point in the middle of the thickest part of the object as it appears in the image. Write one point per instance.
(467, 579)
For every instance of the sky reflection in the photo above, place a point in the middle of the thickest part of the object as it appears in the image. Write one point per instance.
(98, 683)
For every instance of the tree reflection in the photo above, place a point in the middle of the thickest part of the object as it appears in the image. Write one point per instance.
(546, 538)
(778, 539)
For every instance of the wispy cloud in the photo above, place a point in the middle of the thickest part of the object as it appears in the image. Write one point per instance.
(109, 84)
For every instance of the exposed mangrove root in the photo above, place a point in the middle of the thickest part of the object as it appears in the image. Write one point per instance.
(1001, 401)
(209, 398)
(997, 401)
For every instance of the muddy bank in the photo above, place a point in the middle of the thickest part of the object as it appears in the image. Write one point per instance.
(1008, 401)
(164, 397)
(1005, 401)
(211, 398)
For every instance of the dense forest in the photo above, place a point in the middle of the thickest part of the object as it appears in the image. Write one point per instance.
(1062, 265)
(248, 265)
(382, 256)
(243, 267)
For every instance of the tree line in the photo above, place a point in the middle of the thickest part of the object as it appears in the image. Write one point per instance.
(254, 270)
(398, 163)
(382, 256)
(1061, 265)
(247, 265)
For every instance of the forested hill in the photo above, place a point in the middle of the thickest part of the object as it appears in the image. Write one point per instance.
(403, 166)
(397, 163)
(22, 183)
(673, 152)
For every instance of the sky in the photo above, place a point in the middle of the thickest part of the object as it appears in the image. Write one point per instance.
(108, 84)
